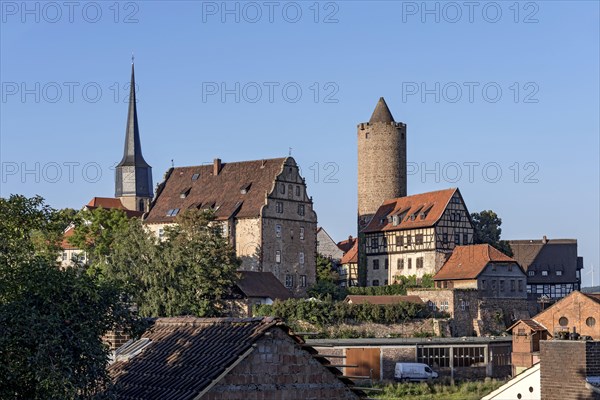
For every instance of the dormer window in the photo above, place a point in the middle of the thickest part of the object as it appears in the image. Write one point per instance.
(245, 188)
(185, 193)
(395, 220)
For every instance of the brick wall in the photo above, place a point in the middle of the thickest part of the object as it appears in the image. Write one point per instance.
(115, 339)
(279, 369)
(564, 367)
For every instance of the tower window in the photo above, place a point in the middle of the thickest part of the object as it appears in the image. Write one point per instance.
(279, 207)
(301, 233)
(278, 256)
(366, 135)
(300, 209)
(141, 206)
(297, 190)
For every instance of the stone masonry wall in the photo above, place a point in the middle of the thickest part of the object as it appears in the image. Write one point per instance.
(279, 369)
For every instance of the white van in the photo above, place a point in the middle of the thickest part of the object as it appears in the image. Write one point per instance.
(413, 372)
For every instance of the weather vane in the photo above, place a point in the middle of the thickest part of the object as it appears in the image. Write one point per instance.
(132, 57)
(290, 151)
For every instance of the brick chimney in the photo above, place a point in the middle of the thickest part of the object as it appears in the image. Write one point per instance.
(216, 166)
(545, 239)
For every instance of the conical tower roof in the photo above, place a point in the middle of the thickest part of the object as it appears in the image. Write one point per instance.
(382, 113)
(132, 154)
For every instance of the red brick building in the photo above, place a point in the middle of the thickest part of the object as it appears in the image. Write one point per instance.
(189, 358)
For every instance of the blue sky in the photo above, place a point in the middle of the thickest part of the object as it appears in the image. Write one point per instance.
(499, 88)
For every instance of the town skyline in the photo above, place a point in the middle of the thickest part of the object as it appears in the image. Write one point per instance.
(184, 118)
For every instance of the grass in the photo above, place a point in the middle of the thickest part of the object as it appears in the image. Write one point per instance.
(437, 391)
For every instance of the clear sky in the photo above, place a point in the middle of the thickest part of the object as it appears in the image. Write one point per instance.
(501, 99)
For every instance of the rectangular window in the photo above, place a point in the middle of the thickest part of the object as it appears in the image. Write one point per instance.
(513, 285)
(374, 243)
(558, 273)
(400, 263)
(278, 256)
(419, 239)
(409, 263)
(494, 285)
(445, 238)
(386, 264)
(520, 285)
(64, 256)
(483, 284)
(544, 273)
(399, 240)
(375, 264)
(278, 230)
(298, 193)
(289, 281)
(384, 240)
(301, 257)
(408, 240)
(282, 188)
(456, 238)
(509, 267)
(300, 209)
(465, 238)
(419, 262)
(301, 233)
(385, 282)
(302, 280)
(375, 282)
(279, 207)
(195, 177)
(531, 273)
(161, 233)
(501, 285)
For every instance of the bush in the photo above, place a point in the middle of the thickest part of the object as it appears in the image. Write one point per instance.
(323, 313)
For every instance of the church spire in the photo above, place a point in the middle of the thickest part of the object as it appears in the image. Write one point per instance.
(133, 175)
(382, 113)
(132, 155)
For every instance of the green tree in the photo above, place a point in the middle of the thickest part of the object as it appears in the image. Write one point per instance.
(327, 280)
(190, 272)
(487, 230)
(51, 320)
(95, 232)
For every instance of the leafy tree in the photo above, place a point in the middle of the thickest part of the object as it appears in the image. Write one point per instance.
(51, 320)
(487, 230)
(327, 280)
(190, 272)
(95, 232)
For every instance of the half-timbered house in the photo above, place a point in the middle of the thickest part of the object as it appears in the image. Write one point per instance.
(415, 235)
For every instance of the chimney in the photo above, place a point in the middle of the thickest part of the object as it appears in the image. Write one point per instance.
(350, 237)
(544, 239)
(216, 166)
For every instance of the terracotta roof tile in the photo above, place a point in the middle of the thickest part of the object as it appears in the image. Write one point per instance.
(240, 188)
(347, 244)
(435, 202)
(106, 202)
(262, 284)
(357, 299)
(185, 355)
(467, 262)
(351, 256)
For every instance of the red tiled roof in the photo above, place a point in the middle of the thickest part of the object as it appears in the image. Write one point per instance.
(467, 262)
(262, 284)
(106, 202)
(185, 355)
(351, 256)
(534, 325)
(346, 245)
(224, 190)
(65, 245)
(356, 299)
(435, 202)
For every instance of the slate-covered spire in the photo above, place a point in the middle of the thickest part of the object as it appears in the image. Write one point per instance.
(133, 175)
(132, 155)
(382, 113)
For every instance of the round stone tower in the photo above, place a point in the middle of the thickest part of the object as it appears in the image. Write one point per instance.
(381, 162)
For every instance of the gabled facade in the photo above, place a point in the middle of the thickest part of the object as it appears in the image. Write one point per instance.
(484, 268)
(327, 247)
(552, 266)
(262, 206)
(224, 359)
(415, 235)
(348, 269)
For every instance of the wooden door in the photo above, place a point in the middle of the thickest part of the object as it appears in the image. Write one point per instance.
(368, 361)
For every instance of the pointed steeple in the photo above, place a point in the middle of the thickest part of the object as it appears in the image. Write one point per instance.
(132, 155)
(382, 113)
(133, 175)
